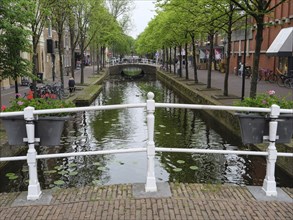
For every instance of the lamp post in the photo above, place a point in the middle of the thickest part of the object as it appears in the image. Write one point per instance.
(244, 59)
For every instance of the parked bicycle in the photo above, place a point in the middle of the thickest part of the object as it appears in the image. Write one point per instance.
(289, 82)
(278, 77)
(53, 91)
(264, 74)
(248, 72)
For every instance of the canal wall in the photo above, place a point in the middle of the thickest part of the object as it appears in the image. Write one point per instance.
(90, 90)
(198, 94)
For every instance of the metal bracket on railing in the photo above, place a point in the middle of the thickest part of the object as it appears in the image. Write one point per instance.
(267, 138)
(37, 140)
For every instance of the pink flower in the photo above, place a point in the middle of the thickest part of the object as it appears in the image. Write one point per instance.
(20, 103)
(271, 92)
(3, 108)
(264, 102)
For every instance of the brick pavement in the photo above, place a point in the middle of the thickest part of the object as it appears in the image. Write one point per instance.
(188, 201)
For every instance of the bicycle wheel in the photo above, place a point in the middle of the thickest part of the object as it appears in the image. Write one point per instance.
(288, 83)
(273, 78)
(281, 80)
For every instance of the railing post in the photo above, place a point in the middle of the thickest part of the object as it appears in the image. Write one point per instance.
(34, 190)
(269, 184)
(150, 185)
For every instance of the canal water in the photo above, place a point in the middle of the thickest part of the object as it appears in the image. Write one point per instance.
(120, 129)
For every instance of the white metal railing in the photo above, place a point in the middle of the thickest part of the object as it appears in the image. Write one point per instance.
(34, 190)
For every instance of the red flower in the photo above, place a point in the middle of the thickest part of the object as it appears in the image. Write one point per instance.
(3, 108)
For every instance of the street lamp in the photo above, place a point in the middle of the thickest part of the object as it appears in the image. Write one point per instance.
(244, 60)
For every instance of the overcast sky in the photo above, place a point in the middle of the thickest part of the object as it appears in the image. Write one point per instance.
(143, 12)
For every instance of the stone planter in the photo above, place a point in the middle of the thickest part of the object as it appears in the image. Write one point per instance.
(255, 127)
(48, 129)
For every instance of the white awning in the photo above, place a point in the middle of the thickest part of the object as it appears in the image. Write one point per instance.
(283, 43)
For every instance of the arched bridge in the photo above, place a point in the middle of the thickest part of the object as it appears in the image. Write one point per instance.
(146, 68)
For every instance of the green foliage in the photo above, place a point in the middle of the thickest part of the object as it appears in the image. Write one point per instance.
(38, 103)
(14, 38)
(266, 100)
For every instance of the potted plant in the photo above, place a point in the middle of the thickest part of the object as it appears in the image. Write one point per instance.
(48, 127)
(254, 127)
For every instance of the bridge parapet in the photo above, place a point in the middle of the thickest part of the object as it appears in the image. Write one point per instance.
(147, 68)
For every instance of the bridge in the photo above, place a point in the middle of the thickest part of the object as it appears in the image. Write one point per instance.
(146, 68)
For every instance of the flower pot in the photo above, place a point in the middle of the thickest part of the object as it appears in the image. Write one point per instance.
(255, 127)
(48, 129)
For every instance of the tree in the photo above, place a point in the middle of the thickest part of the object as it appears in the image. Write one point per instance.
(83, 11)
(121, 11)
(60, 10)
(257, 9)
(14, 40)
(40, 10)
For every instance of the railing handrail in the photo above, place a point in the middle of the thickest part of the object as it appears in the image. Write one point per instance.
(34, 191)
(142, 105)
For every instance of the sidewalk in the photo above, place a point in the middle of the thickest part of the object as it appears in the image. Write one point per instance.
(119, 202)
(235, 85)
(8, 94)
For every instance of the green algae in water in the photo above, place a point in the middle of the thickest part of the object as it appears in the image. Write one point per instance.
(50, 171)
(177, 169)
(59, 182)
(73, 173)
(193, 167)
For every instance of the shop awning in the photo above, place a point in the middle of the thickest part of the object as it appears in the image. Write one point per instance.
(283, 43)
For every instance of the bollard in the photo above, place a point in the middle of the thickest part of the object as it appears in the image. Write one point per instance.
(269, 184)
(150, 185)
(34, 190)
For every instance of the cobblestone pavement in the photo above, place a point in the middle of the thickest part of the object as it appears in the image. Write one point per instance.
(188, 201)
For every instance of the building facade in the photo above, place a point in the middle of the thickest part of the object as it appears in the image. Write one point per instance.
(279, 19)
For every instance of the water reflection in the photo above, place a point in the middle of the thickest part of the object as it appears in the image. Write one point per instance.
(118, 129)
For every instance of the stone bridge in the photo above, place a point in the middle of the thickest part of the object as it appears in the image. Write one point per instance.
(146, 68)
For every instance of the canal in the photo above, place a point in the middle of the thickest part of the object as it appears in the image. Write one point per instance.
(118, 129)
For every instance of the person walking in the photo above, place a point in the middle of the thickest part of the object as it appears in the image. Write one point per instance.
(240, 71)
(71, 85)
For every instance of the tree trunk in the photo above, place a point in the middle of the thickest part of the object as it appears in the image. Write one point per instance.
(170, 68)
(227, 67)
(72, 50)
(35, 60)
(175, 60)
(60, 48)
(0, 94)
(82, 50)
(258, 42)
(167, 59)
(180, 60)
(186, 61)
(163, 57)
(209, 80)
(194, 59)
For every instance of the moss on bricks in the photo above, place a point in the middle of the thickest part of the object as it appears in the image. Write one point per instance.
(88, 95)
